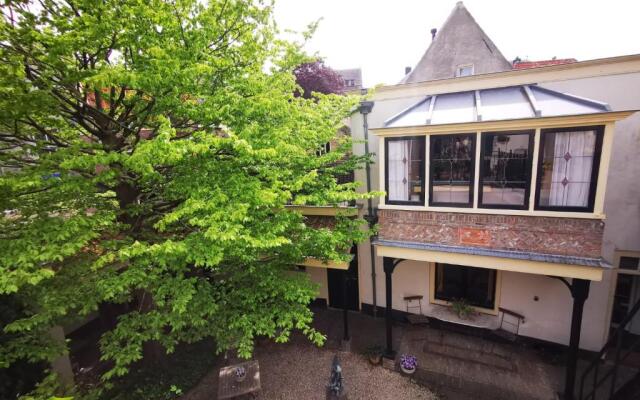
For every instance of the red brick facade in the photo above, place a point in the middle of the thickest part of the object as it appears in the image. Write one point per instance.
(560, 236)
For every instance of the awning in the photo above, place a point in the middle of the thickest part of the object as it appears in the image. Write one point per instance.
(498, 104)
(515, 261)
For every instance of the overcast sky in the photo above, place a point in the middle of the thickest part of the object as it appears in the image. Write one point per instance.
(382, 37)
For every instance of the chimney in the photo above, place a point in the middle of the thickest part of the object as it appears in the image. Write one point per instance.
(433, 33)
(407, 70)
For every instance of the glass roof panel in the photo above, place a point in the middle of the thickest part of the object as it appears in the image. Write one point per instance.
(496, 104)
(454, 108)
(553, 104)
(505, 103)
(415, 115)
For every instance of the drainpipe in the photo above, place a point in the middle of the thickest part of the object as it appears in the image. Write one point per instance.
(365, 108)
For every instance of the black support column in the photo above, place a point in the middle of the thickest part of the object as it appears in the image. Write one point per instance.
(579, 292)
(389, 265)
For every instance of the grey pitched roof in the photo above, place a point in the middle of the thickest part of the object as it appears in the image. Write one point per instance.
(354, 74)
(460, 41)
(507, 103)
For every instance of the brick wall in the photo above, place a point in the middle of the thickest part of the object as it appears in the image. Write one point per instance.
(320, 221)
(562, 236)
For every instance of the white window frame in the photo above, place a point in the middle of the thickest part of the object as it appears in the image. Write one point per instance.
(600, 182)
(460, 67)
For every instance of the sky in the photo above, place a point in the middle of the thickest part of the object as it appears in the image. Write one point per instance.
(383, 37)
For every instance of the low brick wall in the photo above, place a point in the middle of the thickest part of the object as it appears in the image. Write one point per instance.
(320, 221)
(561, 236)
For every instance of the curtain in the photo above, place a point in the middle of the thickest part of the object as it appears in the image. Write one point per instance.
(572, 164)
(398, 163)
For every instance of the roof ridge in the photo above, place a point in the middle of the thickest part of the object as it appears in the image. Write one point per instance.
(459, 22)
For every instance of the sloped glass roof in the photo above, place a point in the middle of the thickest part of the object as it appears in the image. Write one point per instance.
(508, 103)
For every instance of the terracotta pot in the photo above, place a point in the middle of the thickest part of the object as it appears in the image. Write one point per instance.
(375, 359)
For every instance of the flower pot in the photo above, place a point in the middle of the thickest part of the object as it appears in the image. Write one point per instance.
(407, 370)
(240, 374)
(375, 359)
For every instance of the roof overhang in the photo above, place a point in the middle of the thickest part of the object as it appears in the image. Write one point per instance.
(583, 69)
(526, 123)
(316, 263)
(528, 263)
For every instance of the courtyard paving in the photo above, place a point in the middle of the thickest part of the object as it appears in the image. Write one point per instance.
(452, 366)
(299, 370)
(462, 365)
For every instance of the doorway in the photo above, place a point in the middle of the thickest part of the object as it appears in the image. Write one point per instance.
(336, 280)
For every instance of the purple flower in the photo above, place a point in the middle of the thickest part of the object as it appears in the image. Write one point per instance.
(408, 361)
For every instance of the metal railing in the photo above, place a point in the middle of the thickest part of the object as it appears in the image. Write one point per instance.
(615, 342)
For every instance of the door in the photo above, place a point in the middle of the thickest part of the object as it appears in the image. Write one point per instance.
(336, 280)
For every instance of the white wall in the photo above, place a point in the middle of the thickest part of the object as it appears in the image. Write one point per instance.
(549, 318)
(319, 275)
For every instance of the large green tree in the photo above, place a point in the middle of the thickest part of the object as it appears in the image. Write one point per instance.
(148, 150)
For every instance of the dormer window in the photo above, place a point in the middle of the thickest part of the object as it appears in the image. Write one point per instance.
(464, 70)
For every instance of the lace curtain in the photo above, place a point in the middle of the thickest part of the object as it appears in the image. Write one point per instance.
(572, 164)
(398, 163)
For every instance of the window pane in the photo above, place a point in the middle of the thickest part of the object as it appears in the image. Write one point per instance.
(567, 163)
(466, 70)
(405, 172)
(452, 168)
(506, 160)
(629, 263)
(475, 285)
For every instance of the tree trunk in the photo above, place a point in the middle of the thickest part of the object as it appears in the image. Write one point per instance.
(153, 353)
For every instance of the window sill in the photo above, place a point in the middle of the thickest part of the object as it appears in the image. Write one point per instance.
(483, 318)
(495, 211)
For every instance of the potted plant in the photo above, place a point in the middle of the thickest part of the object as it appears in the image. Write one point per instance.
(462, 309)
(374, 354)
(240, 374)
(408, 364)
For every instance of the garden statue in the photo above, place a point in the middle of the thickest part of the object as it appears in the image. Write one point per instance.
(336, 390)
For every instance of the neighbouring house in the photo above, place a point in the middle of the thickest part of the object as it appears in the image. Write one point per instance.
(352, 79)
(526, 64)
(512, 187)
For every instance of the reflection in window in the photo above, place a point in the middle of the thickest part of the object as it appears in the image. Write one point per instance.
(452, 162)
(405, 175)
(567, 168)
(475, 285)
(506, 165)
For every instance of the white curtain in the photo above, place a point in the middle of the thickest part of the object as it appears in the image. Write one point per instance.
(398, 164)
(572, 164)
